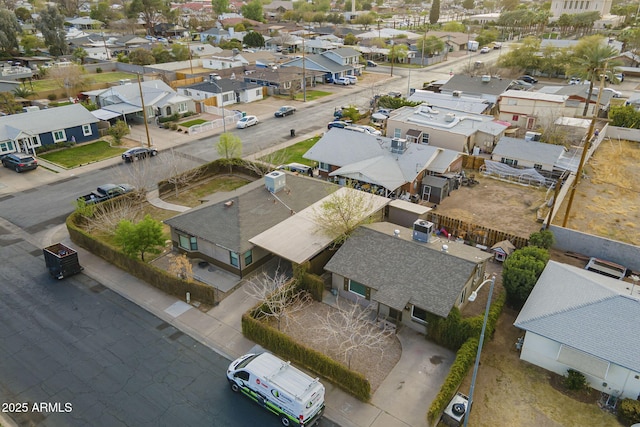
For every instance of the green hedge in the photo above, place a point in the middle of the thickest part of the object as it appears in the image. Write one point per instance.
(154, 276)
(466, 355)
(309, 282)
(629, 411)
(281, 344)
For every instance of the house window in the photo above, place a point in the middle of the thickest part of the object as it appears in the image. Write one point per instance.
(425, 138)
(325, 167)
(462, 295)
(189, 243)
(537, 166)
(258, 92)
(59, 136)
(418, 314)
(86, 130)
(226, 97)
(510, 162)
(397, 133)
(182, 107)
(6, 147)
(248, 257)
(186, 92)
(357, 288)
(234, 260)
(515, 118)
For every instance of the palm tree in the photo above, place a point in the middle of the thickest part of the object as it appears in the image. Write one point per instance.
(592, 59)
(23, 91)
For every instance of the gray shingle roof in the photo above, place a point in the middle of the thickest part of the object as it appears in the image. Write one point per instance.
(587, 311)
(402, 271)
(474, 85)
(227, 85)
(253, 211)
(37, 122)
(318, 62)
(534, 151)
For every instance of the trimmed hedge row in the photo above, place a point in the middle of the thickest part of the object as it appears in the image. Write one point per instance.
(277, 342)
(466, 354)
(154, 276)
(309, 282)
(629, 411)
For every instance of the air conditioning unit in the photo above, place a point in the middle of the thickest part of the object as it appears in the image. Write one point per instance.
(457, 93)
(422, 231)
(532, 136)
(449, 117)
(275, 181)
(398, 145)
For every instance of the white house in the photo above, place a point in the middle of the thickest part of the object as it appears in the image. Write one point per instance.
(223, 60)
(581, 320)
(226, 91)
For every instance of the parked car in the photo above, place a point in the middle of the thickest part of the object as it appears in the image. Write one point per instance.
(337, 124)
(521, 85)
(384, 111)
(614, 93)
(138, 153)
(286, 110)
(19, 162)
(394, 94)
(352, 79)
(370, 130)
(485, 49)
(497, 45)
(578, 81)
(342, 81)
(247, 121)
(528, 79)
(371, 64)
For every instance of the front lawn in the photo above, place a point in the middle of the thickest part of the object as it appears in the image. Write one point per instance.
(192, 123)
(312, 94)
(83, 154)
(292, 154)
(193, 196)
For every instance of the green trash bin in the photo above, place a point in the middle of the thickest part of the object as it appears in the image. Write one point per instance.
(244, 114)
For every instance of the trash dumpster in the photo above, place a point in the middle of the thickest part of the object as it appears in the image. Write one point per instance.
(61, 260)
(293, 132)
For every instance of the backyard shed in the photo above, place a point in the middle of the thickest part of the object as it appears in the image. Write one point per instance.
(435, 189)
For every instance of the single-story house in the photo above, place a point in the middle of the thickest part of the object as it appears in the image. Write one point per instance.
(334, 63)
(282, 80)
(448, 128)
(224, 59)
(406, 280)
(390, 165)
(215, 35)
(485, 87)
(160, 100)
(527, 154)
(576, 97)
(226, 91)
(581, 320)
(27, 131)
(84, 23)
(219, 231)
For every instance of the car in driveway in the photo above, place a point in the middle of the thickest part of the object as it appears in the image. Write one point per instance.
(485, 49)
(337, 124)
(352, 79)
(528, 79)
(370, 130)
(371, 64)
(247, 121)
(138, 153)
(19, 162)
(286, 110)
(342, 81)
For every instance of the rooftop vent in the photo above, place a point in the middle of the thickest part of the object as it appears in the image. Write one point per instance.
(449, 117)
(445, 248)
(457, 93)
(396, 233)
(275, 181)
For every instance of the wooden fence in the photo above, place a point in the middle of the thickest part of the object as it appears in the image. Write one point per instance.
(473, 233)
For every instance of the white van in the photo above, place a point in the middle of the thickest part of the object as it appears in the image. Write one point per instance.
(279, 387)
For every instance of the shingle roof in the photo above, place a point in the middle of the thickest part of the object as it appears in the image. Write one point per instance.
(534, 151)
(253, 211)
(226, 85)
(587, 311)
(345, 52)
(37, 122)
(402, 271)
(475, 85)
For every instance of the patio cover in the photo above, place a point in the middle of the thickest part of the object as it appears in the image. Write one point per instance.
(122, 108)
(103, 114)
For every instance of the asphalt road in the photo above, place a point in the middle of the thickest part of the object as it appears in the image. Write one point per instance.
(94, 358)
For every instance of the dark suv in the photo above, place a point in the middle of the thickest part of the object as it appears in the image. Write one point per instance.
(19, 161)
(138, 153)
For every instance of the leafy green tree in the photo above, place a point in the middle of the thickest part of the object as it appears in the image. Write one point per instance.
(253, 10)
(103, 12)
(335, 18)
(220, 6)
(9, 29)
(454, 27)
(469, 4)
(350, 40)
(23, 14)
(180, 52)
(230, 44)
(30, 43)
(487, 36)
(624, 116)
(434, 13)
(8, 104)
(631, 39)
(229, 147)
(253, 39)
(51, 24)
(149, 10)
(524, 57)
(365, 20)
(591, 59)
(398, 52)
(521, 272)
(394, 103)
(161, 55)
(509, 4)
(80, 54)
(431, 44)
(143, 237)
(543, 239)
(118, 131)
(351, 113)
(141, 56)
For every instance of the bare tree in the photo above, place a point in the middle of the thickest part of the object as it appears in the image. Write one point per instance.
(181, 267)
(268, 162)
(350, 328)
(343, 211)
(177, 177)
(70, 78)
(279, 296)
(106, 216)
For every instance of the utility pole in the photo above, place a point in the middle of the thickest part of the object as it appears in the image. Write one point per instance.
(392, 53)
(304, 68)
(144, 112)
(585, 147)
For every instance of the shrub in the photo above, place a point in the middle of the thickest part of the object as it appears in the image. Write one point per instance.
(575, 380)
(98, 70)
(629, 411)
(543, 239)
(52, 97)
(174, 126)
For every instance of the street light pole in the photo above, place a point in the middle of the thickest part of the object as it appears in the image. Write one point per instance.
(472, 298)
